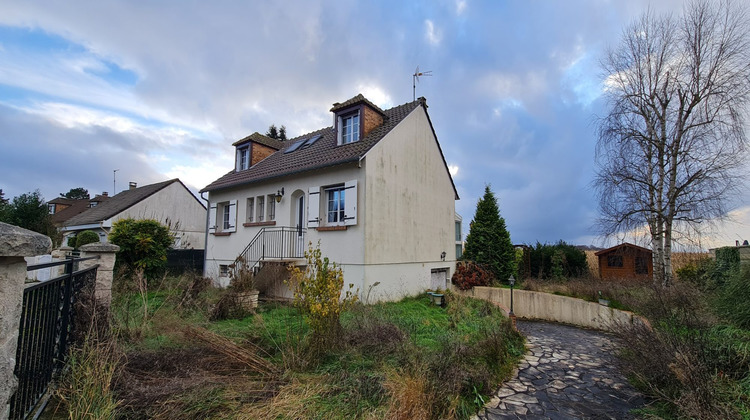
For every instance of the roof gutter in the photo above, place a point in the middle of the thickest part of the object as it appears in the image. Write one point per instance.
(256, 180)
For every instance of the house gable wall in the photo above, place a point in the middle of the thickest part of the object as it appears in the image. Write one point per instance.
(410, 199)
(176, 205)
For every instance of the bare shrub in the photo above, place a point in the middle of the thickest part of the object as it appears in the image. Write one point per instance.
(469, 274)
(676, 361)
(372, 335)
(410, 396)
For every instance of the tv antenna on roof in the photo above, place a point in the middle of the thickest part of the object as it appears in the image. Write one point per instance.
(415, 79)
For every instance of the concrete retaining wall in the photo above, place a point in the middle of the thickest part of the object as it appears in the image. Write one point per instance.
(563, 309)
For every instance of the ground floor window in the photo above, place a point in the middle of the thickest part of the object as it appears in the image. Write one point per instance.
(336, 204)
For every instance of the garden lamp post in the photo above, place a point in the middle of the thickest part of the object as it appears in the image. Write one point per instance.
(511, 281)
(511, 315)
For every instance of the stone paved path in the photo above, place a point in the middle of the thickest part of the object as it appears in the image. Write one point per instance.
(568, 373)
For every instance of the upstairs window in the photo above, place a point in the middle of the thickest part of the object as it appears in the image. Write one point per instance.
(51, 208)
(243, 158)
(349, 124)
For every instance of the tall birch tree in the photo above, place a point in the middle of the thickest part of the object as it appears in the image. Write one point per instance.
(671, 148)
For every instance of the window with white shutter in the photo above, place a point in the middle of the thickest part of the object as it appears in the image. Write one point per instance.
(350, 205)
(212, 218)
(313, 209)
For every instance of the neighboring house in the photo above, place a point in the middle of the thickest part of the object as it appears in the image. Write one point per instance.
(625, 261)
(62, 208)
(169, 202)
(374, 190)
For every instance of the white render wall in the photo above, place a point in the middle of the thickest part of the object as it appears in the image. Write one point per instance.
(408, 229)
(173, 205)
(405, 218)
(343, 247)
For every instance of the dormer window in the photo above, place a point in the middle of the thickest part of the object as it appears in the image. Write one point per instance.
(349, 124)
(243, 158)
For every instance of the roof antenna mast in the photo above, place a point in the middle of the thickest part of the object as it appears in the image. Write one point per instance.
(114, 182)
(415, 79)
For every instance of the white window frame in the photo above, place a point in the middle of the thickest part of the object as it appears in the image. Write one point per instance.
(337, 195)
(260, 202)
(346, 215)
(224, 217)
(250, 209)
(271, 207)
(344, 136)
(243, 158)
(225, 221)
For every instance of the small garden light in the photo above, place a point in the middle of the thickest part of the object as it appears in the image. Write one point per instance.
(511, 315)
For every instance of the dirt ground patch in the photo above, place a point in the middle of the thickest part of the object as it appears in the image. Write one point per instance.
(196, 380)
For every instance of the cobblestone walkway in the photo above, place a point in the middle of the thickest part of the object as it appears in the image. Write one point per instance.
(568, 373)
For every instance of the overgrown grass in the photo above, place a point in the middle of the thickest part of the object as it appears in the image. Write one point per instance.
(407, 359)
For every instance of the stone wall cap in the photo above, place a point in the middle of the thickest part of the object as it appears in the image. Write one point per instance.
(100, 247)
(19, 242)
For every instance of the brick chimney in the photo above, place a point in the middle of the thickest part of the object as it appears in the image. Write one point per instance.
(105, 194)
(132, 185)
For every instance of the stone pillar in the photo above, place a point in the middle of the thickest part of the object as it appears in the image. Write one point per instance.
(15, 244)
(105, 272)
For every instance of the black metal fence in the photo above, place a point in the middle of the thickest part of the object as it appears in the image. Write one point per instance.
(182, 260)
(47, 320)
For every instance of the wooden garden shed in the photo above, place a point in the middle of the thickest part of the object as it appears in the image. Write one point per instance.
(625, 261)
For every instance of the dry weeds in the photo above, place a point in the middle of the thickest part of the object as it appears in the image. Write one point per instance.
(410, 395)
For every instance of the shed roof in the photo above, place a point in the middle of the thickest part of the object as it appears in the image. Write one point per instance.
(621, 246)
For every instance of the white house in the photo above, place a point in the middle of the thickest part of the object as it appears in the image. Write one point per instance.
(169, 202)
(374, 189)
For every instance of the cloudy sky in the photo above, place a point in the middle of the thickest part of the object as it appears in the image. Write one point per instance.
(159, 90)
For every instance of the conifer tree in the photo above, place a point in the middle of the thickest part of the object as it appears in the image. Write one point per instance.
(488, 241)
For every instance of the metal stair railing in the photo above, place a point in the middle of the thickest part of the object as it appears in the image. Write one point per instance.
(273, 242)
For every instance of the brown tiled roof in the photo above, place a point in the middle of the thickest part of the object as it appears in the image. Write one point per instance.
(63, 200)
(118, 203)
(323, 153)
(355, 100)
(76, 207)
(260, 138)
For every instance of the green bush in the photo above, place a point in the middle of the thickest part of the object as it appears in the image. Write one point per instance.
(733, 301)
(143, 245)
(86, 237)
(727, 264)
(556, 261)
